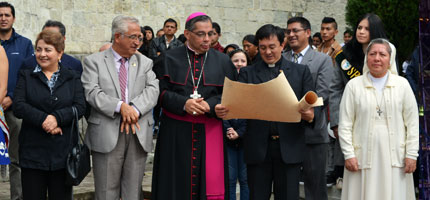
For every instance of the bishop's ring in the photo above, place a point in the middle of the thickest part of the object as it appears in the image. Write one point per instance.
(194, 113)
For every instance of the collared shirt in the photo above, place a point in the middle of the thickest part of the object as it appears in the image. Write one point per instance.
(117, 59)
(167, 41)
(51, 82)
(301, 54)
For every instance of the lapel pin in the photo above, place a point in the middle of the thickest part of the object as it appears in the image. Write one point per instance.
(133, 64)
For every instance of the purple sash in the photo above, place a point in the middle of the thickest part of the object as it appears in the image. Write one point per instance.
(215, 189)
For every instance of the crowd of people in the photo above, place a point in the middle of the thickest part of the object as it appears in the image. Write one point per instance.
(143, 83)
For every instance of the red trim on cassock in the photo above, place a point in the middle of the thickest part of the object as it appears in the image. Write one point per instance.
(192, 164)
(160, 100)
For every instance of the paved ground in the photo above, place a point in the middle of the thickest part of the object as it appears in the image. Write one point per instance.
(85, 190)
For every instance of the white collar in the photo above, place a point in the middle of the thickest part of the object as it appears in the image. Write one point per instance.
(378, 83)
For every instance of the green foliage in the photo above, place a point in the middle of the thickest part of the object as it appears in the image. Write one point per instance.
(400, 18)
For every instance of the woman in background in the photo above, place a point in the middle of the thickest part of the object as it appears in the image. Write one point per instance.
(316, 40)
(348, 65)
(235, 129)
(229, 48)
(148, 35)
(251, 47)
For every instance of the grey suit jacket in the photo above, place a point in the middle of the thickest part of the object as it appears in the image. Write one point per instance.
(102, 91)
(321, 67)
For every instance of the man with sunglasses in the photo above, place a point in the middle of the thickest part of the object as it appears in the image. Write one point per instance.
(189, 158)
(122, 89)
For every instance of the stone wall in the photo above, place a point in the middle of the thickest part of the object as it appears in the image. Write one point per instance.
(88, 22)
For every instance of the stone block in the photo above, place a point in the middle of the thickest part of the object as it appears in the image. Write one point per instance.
(88, 22)
(228, 26)
(232, 38)
(98, 35)
(92, 5)
(265, 17)
(67, 19)
(247, 27)
(109, 6)
(195, 8)
(68, 4)
(301, 6)
(267, 4)
(55, 14)
(244, 4)
(235, 14)
(117, 9)
(283, 5)
(80, 5)
(126, 8)
(280, 18)
(216, 13)
(79, 18)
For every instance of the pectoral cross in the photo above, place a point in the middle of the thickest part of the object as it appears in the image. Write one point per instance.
(379, 112)
(195, 95)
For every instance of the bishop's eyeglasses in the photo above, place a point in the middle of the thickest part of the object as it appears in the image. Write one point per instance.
(202, 34)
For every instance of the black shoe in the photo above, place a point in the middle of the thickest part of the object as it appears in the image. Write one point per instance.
(330, 181)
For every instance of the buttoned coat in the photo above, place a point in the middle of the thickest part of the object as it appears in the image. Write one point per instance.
(292, 137)
(358, 114)
(33, 102)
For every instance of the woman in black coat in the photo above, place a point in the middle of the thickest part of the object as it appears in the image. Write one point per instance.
(43, 99)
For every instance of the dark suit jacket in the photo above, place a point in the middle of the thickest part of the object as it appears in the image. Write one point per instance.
(159, 45)
(321, 68)
(292, 135)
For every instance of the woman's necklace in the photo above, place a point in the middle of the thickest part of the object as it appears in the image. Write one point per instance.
(379, 103)
(379, 85)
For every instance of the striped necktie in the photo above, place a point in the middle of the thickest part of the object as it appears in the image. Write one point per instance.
(123, 79)
(296, 57)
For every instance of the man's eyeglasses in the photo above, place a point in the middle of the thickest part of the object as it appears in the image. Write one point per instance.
(288, 31)
(134, 37)
(202, 34)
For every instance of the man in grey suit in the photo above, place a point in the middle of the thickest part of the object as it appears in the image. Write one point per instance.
(122, 90)
(316, 137)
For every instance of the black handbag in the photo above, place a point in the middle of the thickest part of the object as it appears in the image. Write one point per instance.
(78, 161)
